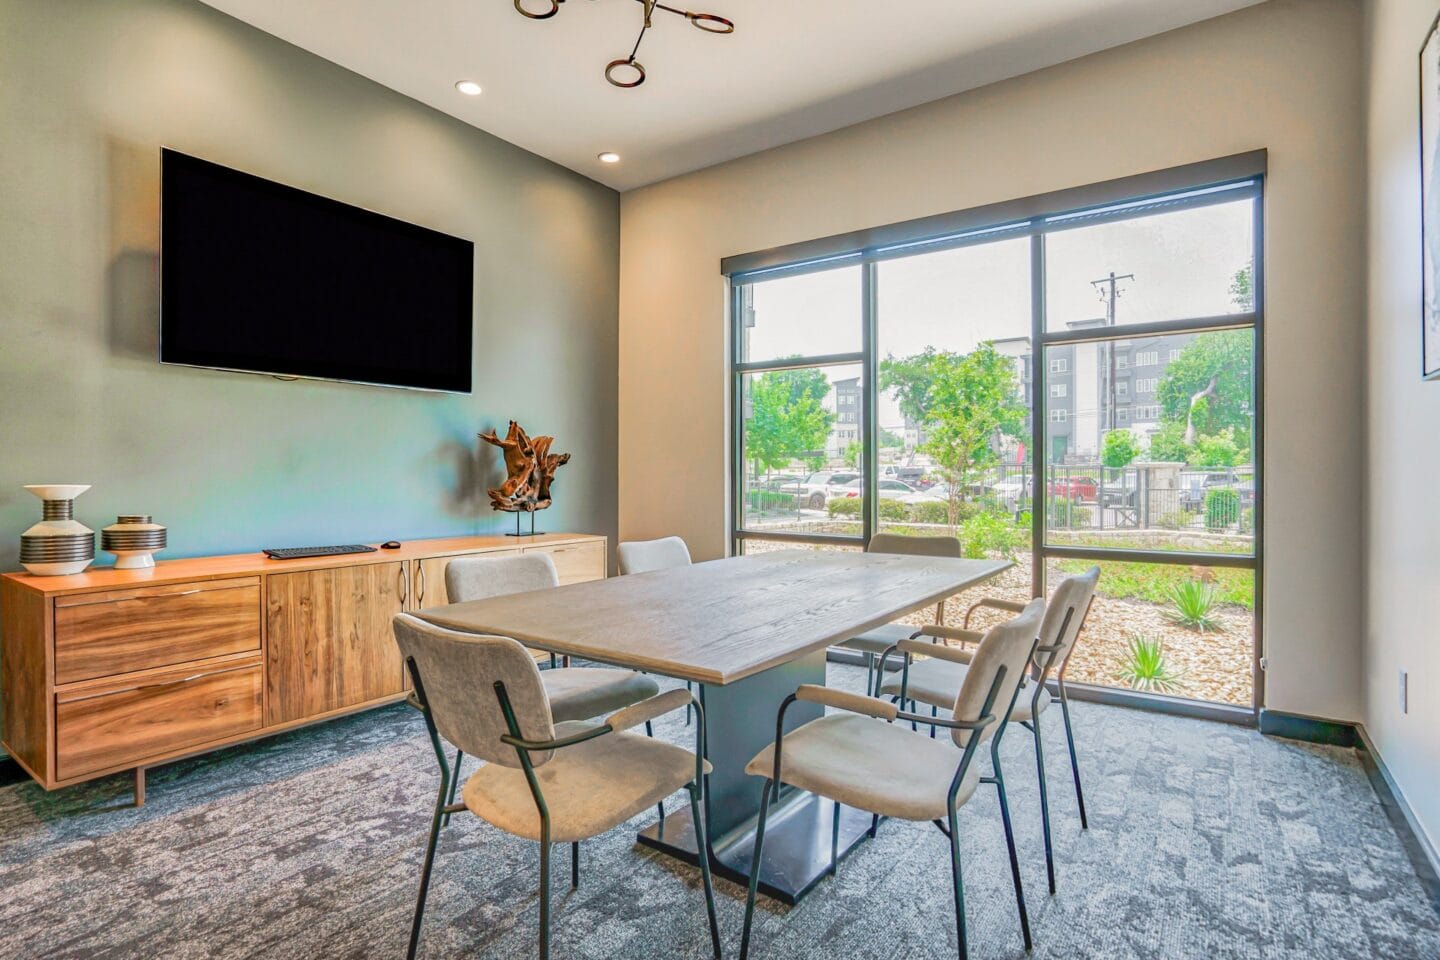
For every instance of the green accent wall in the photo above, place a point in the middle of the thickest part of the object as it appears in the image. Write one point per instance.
(89, 92)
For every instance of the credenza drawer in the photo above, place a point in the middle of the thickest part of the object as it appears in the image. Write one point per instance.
(119, 725)
(576, 562)
(121, 631)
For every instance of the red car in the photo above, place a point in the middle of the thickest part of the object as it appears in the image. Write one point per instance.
(1074, 488)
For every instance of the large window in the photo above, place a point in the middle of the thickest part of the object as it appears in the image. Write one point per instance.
(1077, 386)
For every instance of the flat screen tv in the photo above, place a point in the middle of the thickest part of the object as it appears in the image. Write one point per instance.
(259, 277)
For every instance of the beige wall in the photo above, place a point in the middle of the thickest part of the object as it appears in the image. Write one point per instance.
(1284, 75)
(1402, 629)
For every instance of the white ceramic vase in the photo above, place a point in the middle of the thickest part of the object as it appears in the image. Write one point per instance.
(59, 544)
(134, 540)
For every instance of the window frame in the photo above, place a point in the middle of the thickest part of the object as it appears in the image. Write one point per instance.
(1210, 182)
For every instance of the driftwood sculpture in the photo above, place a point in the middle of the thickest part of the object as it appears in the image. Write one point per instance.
(529, 467)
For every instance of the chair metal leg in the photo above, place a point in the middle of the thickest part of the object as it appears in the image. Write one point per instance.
(874, 824)
(1074, 762)
(959, 886)
(703, 845)
(1044, 807)
(835, 839)
(755, 871)
(1010, 842)
(575, 865)
(689, 710)
(934, 712)
(545, 896)
(435, 824)
(870, 685)
(454, 784)
(650, 732)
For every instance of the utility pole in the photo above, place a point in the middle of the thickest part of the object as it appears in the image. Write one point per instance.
(1109, 288)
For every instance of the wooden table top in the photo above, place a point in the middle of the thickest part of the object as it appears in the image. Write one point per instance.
(724, 620)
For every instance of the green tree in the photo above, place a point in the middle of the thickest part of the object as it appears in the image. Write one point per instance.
(1168, 443)
(787, 419)
(964, 403)
(1219, 450)
(1242, 287)
(1119, 449)
(1208, 387)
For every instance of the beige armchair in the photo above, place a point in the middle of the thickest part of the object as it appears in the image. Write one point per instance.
(935, 681)
(861, 757)
(874, 643)
(486, 695)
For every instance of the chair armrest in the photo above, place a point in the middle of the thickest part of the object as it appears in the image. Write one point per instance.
(937, 650)
(951, 633)
(842, 700)
(646, 710)
(994, 603)
(536, 746)
(948, 722)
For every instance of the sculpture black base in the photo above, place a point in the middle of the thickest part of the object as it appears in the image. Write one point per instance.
(797, 845)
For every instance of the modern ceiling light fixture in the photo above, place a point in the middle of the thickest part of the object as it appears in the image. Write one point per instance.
(609, 156)
(628, 72)
(468, 87)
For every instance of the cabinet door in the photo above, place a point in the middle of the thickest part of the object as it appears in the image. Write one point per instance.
(329, 643)
(576, 562)
(427, 587)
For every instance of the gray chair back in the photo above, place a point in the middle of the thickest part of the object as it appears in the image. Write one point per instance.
(914, 546)
(1009, 645)
(643, 556)
(1071, 597)
(458, 673)
(479, 578)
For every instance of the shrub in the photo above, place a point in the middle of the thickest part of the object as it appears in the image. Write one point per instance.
(931, 511)
(988, 534)
(1144, 666)
(769, 500)
(891, 509)
(1063, 513)
(1194, 602)
(843, 507)
(1222, 508)
(1178, 520)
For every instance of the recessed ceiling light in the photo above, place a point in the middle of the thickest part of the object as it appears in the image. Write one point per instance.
(468, 87)
(608, 157)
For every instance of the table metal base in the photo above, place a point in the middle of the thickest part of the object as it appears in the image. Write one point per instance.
(797, 844)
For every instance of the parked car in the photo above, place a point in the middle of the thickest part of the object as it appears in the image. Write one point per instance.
(1010, 490)
(815, 489)
(910, 475)
(890, 490)
(1075, 489)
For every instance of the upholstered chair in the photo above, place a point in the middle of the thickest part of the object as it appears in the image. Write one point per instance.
(874, 643)
(543, 779)
(934, 681)
(861, 757)
(647, 556)
(576, 693)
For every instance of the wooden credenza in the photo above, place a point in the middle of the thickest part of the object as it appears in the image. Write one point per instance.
(114, 670)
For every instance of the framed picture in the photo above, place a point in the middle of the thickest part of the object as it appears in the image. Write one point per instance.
(1430, 202)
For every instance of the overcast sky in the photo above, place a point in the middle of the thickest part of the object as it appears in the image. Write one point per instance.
(1183, 264)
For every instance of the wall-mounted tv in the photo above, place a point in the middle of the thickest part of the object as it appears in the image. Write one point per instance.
(259, 277)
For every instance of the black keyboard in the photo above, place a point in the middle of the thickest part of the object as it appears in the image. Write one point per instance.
(295, 553)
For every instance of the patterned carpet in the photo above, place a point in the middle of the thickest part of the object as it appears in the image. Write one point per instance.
(1205, 841)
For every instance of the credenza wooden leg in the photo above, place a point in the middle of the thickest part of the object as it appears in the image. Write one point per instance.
(139, 786)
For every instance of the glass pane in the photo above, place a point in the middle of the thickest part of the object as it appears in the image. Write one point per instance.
(801, 450)
(811, 315)
(953, 329)
(1151, 443)
(1174, 629)
(751, 546)
(1166, 266)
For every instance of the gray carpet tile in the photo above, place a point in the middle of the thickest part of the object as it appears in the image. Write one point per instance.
(1205, 841)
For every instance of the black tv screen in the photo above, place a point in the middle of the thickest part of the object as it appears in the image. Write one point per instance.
(264, 278)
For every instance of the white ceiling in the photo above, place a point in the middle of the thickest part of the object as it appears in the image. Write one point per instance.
(792, 69)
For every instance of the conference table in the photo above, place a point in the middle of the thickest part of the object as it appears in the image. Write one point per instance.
(747, 630)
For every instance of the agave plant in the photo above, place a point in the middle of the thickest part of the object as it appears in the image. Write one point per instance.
(1144, 667)
(1194, 605)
